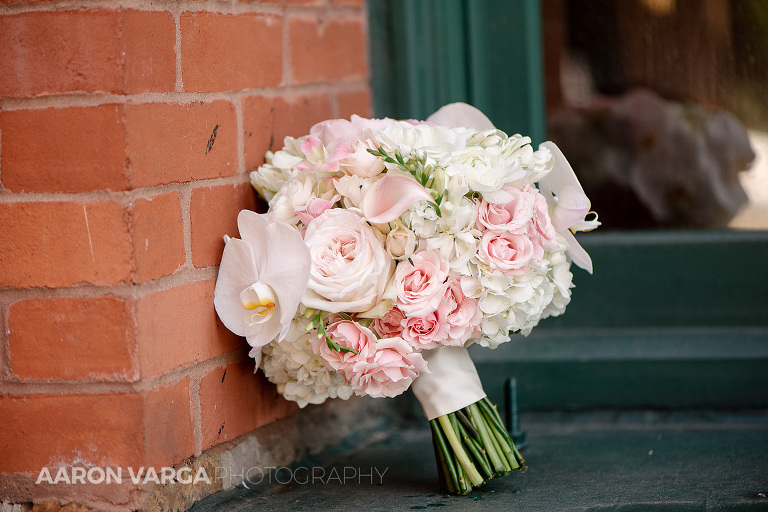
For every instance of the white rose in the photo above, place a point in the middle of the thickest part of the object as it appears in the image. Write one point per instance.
(291, 197)
(401, 241)
(352, 189)
(350, 268)
(485, 169)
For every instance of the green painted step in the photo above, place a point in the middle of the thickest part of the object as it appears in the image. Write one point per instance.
(722, 368)
(693, 278)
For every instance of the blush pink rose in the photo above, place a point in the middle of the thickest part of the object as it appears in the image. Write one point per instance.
(350, 266)
(462, 314)
(361, 163)
(424, 333)
(420, 283)
(390, 325)
(389, 371)
(506, 252)
(315, 207)
(347, 334)
(513, 215)
(542, 232)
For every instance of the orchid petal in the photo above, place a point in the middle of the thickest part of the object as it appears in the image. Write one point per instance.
(287, 271)
(461, 115)
(562, 173)
(572, 206)
(269, 331)
(576, 252)
(253, 227)
(390, 197)
(237, 272)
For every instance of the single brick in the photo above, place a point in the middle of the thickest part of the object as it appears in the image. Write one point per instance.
(355, 102)
(169, 143)
(225, 52)
(57, 244)
(158, 236)
(51, 430)
(72, 339)
(214, 214)
(149, 42)
(330, 51)
(178, 327)
(114, 51)
(76, 149)
(168, 424)
(268, 120)
(55, 52)
(234, 401)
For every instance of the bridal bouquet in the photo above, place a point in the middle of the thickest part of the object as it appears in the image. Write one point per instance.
(388, 247)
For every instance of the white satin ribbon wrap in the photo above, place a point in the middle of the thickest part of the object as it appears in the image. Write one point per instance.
(452, 383)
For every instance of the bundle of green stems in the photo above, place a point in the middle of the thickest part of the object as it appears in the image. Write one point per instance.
(472, 446)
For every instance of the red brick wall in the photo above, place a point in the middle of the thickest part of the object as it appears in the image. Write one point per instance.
(127, 131)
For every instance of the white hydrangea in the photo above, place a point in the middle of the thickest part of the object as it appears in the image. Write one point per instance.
(299, 373)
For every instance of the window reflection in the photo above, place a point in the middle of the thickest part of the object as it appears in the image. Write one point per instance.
(660, 106)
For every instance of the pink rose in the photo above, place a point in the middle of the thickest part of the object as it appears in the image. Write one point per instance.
(542, 231)
(513, 215)
(361, 163)
(356, 128)
(346, 334)
(420, 283)
(506, 252)
(389, 371)
(389, 326)
(462, 314)
(314, 207)
(425, 332)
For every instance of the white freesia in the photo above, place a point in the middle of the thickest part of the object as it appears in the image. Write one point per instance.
(261, 280)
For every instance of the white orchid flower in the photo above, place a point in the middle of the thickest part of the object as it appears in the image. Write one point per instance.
(261, 280)
(571, 205)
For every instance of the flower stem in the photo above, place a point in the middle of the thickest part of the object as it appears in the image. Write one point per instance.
(453, 479)
(487, 438)
(476, 451)
(461, 455)
(508, 446)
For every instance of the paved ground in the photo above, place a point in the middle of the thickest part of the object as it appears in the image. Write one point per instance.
(628, 462)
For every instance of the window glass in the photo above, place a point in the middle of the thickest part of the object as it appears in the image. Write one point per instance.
(661, 107)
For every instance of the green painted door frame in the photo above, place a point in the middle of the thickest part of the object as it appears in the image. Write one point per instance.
(426, 53)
